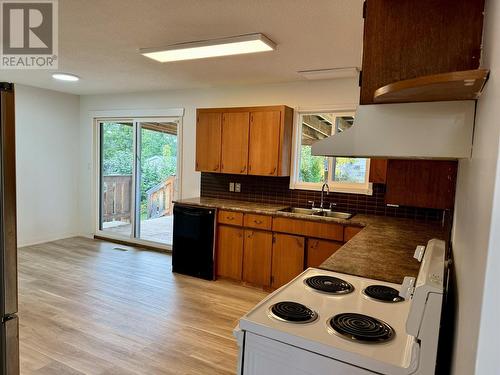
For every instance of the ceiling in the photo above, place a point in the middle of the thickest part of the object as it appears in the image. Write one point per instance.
(99, 41)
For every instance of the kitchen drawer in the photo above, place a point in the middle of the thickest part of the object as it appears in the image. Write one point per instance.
(230, 217)
(258, 221)
(316, 229)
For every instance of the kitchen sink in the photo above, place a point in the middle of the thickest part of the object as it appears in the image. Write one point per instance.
(318, 212)
(335, 214)
(302, 211)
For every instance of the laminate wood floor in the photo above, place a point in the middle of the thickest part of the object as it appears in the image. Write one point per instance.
(88, 308)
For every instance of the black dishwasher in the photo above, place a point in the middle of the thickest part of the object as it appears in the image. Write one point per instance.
(193, 241)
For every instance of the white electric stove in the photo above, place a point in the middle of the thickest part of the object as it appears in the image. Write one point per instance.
(325, 322)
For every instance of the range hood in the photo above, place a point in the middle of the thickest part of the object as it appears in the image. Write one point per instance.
(433, 130)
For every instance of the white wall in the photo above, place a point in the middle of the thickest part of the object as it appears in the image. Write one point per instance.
(476, 239)
(47, 152)
(488, 358)
(319, 94)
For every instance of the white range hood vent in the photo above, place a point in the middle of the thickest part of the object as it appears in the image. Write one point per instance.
(434, 130)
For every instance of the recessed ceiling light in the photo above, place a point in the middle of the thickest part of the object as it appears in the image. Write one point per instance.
(236, 45)
(329, 73)
(65, 77)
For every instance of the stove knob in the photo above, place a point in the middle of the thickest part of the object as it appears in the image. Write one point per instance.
(407, 288)
(419, 253)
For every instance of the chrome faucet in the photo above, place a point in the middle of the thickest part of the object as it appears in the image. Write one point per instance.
(323, 192)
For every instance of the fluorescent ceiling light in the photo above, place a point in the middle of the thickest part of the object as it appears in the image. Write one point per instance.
(329, 73)
(65, 77)
(237, 45)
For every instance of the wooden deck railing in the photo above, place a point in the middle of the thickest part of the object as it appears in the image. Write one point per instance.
(117, 199)
(160, 199)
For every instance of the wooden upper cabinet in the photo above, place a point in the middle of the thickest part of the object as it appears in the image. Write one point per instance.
(245, 140)
(288, 258)
(234, 157)
(208, 141)
(414, 38)
(263, 158)
(421, 183)
(378, 171)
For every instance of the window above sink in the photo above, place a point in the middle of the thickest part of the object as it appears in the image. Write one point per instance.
(349, 175)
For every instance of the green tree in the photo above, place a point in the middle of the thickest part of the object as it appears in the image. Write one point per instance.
(117, 149)
(158, 159)
(312, 168)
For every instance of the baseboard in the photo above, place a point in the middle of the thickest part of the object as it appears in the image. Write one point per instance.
(38, 241)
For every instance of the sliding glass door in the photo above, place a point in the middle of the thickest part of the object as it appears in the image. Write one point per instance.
(116, 172)
(138, 178)
(157, 180)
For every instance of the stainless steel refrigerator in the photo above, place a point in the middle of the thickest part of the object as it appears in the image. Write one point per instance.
(9, 335)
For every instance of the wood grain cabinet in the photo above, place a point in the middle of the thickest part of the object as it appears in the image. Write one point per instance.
(414, 38)
(230, 217)
(229, 255)
(244, 140)
(208, 141)
(264, 222)
(316, 229)
(320, 250)
(268, 251)
(263, 157)
(350, 232)
(288, 258)
(421, 183)
(234, 144)
(378, 171)
(257, 255)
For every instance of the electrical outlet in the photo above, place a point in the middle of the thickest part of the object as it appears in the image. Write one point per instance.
(231, 186)
(237, 187)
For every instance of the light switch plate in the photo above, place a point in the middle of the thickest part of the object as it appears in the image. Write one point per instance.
(237, 187)
(231, 186)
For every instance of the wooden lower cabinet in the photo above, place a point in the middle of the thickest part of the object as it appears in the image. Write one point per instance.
(229, 252)
(319, 250)
(307, 228)
(288, 258)
(350, 232)
(257, 253)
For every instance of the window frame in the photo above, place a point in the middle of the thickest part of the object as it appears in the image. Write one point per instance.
(365, 188)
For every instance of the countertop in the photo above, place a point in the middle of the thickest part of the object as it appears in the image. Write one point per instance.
(382, 250)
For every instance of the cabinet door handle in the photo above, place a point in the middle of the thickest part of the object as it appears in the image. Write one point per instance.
(230, 218)
(216, 167)
(257, 221)
(244, 169)
(300, 242)
(274, 170)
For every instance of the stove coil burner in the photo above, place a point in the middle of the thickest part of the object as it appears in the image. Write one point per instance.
(293, 312)
(383, 293)
(329, 284)
(359, 327)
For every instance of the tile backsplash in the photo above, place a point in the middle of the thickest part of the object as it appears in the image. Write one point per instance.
(276, 190)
